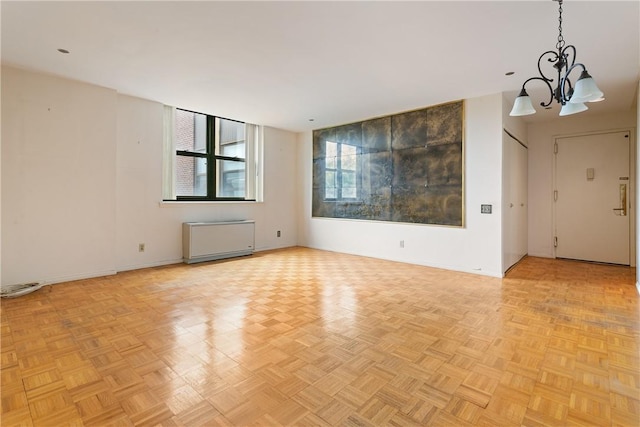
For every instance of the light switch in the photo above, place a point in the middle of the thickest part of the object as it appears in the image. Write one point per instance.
(591, 173)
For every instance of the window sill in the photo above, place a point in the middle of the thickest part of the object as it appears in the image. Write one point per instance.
(182, 203)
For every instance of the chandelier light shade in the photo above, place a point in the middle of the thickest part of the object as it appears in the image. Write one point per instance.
(586, 90)
(572, 99)
(572, 108)
(522, 105)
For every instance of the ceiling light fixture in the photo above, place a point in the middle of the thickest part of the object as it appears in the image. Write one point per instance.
(571, 98)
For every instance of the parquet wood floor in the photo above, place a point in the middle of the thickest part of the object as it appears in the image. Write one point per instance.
(302, 337)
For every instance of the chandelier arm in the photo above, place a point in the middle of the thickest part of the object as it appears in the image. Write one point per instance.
(553, 58)
(565, 79)
(546, 81)
(566, 55)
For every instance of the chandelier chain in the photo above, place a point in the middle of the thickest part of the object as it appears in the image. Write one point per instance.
(560, 43)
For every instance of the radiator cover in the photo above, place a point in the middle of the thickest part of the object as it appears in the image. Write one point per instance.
(207, 241)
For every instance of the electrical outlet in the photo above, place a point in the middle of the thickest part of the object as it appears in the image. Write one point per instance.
(279, 233)
(485, 209)
(140, 247)
(402, 243)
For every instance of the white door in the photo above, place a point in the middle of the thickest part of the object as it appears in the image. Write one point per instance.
(592, 198)
(515, 242)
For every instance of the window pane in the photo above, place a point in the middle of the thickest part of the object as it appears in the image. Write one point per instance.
(230, 138)
(231, 178)
(349, 185)
(330, 191)
(191, 131)
(191, 176)
(348, 161)
(234, 150)
(331, 155)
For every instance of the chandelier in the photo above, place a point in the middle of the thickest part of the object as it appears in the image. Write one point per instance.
(571, 98)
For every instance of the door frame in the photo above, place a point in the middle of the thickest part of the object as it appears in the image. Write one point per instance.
(632, 186)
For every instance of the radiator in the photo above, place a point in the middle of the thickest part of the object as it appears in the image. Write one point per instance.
(207, 241)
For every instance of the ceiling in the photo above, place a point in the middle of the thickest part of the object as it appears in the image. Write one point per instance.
(284, 63)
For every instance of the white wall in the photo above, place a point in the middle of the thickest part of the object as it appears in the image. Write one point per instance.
(142, 219)
(637, 188)
(139, 164)
(515, 125)
(58, 178)
(82, 184)
(475, 248)
(541, 137)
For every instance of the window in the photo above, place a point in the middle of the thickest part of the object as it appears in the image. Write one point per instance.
(341, 171)
(191, 152)
(212, 158)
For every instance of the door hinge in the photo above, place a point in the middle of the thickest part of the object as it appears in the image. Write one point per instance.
(555, 148)
(555, 242)
(555, 195)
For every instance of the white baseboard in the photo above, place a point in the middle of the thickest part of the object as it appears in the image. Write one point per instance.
(450, 267)
(74, 277)
(149, 265)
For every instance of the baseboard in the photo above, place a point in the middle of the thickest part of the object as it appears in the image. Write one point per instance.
(149, 265)
(449, 267)
(540, 255)
(74, 277)
(638, 287)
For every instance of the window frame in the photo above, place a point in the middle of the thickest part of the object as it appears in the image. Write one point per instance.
(212, 162)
